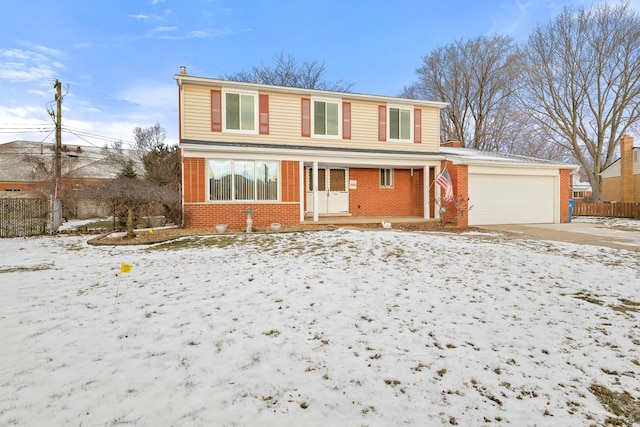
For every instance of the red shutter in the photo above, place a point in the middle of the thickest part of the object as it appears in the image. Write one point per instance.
(346, 120)
(216, 111)
(382, 122)
(417, 126)
(263, 108)
(306, 117)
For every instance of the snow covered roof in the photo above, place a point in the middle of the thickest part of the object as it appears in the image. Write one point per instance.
(19, 161)
(471, 156)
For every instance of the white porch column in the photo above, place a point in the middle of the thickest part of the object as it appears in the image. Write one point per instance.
(436, 194)
(427, 192)
(302, 189)
(315, 191)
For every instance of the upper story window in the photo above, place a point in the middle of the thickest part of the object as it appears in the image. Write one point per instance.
(240, 112)
(326, 118)
(400, 124)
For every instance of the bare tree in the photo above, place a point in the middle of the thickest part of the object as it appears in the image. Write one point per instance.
(133, 193)
(582, 82)
(287, 71)
(477, 79)
(161, 161)
(152, 169)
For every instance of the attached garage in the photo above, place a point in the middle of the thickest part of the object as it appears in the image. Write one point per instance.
(512, 199)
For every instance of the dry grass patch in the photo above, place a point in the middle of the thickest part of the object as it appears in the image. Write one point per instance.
(623, 405)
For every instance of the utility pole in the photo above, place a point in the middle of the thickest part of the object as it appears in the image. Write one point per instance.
(58, 87)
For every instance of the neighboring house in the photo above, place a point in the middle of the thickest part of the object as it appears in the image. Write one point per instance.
(297, 155)
(581, 191)
(27, 166)
(621, 180)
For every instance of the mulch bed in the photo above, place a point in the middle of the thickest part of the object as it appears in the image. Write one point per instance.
(150, 236)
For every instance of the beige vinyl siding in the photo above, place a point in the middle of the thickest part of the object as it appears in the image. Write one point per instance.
(285, 119)
(196, 113)
(431, 129)
(285, 123)
(364, 124)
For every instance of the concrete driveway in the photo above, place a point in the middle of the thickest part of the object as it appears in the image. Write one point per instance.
(604, 233)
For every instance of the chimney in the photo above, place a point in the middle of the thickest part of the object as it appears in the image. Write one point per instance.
(626, 168)
(183, 70)
(451, 143)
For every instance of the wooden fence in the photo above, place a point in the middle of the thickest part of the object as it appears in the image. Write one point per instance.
(618, 210)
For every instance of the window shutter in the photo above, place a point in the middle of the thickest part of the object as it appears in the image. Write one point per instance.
(263, 108)
(346, 120)
(417, 126)
(382, 122)
(216, 111)
(306, 117)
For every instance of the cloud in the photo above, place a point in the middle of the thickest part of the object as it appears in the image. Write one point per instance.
(199, 34)
(39, 93)
(89, 45)
(25, 65)
(157, 96)
(163, 29)
(143, 17)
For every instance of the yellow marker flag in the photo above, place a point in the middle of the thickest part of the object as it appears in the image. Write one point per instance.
(151, 231)
(126, 268)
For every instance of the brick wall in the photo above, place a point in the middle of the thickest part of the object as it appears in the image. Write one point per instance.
(204, 215)
(194, 179)
(460, 179)
(565, 194)
(405, 198)
(626, 169)
(198, 213)
(290, 185)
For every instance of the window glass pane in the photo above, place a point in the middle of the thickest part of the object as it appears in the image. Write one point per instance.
(394, 123)
(405, 124)
(319, 118)
(248, 113)
(243, 175)
(337, 180)
(322, 179)
(267, 180)
(220, 179)
(233, 111)
(386, 177)
(332, 119)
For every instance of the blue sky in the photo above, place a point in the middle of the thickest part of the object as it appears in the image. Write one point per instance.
(118, 57)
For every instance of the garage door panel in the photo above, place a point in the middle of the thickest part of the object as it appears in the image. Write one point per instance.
(511, 199)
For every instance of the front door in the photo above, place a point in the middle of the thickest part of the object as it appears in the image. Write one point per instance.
(333, 193)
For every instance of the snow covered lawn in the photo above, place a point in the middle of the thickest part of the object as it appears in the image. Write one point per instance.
(345, 328)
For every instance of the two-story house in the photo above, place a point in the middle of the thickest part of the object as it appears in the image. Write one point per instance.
(295, 156)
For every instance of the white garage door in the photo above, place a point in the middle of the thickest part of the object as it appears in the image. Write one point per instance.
(511, 199)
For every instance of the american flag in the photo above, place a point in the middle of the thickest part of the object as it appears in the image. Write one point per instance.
(444, 181)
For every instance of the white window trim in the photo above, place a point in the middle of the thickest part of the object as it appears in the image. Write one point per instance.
(236, 201)
(391, 176)
(256, 113)
(313, 118)
(411, 114)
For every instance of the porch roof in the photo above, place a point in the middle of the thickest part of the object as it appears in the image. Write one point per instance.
(323, 154)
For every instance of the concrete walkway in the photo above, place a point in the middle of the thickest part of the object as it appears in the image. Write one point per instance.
(576, 232)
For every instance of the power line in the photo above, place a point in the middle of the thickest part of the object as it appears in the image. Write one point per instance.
(80, 134)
